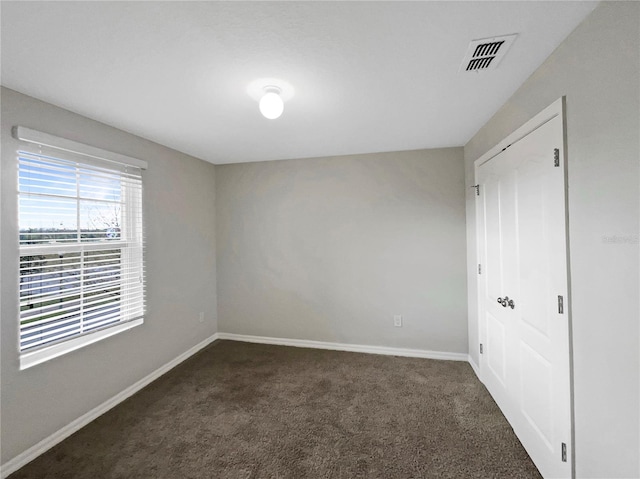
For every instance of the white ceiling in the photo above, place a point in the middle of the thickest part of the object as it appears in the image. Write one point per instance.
(368, 76)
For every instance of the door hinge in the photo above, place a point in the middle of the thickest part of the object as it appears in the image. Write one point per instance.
(481, 352)
(560, 304)
(556, 157)
(564, 452)
(477, 187)
(479, 268)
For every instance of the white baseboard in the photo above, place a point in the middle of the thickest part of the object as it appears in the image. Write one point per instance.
(30, 454)
(356, 348)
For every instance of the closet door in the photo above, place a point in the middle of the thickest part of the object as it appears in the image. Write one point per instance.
(499, 275)
(523, 290)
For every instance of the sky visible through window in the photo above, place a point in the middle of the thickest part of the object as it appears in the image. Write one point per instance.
(62, 201)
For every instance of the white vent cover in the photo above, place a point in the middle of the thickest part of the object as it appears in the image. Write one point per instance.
(486, 53)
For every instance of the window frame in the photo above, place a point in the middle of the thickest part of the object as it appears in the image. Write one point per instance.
(130, 222)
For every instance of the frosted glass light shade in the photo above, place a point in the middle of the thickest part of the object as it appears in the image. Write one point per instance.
(271, 105)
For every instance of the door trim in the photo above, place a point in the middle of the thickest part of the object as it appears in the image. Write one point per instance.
(553, 110)
(557, 108)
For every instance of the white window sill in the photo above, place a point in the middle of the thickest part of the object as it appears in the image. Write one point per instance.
(32, 358)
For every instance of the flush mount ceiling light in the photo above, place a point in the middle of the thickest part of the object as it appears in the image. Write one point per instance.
(271, 103)
(271, 94)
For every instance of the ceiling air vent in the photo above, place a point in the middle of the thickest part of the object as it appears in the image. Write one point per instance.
(486, 53)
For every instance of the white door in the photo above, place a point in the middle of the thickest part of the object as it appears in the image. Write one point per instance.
(524, 329)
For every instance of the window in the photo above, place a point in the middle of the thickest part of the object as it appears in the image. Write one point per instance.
(81, 245)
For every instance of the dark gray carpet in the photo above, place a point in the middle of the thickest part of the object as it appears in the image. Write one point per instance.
(239, 410)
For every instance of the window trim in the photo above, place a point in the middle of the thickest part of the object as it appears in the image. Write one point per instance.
(39, 355)
(44, 139)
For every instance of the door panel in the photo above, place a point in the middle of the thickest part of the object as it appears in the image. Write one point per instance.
(522, 227)
(493, 239)
(494, 199)
(532, 244)
(537, 393)
(496, 344)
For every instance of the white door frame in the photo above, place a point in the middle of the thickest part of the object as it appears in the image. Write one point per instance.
(557, 108)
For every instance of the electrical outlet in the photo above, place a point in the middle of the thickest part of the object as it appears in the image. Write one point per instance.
(201, 317)
(397, 320)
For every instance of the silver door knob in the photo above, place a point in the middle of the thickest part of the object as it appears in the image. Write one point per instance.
(507, 301)
(503, 302)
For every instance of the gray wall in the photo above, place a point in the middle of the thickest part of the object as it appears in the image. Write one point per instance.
(329, 249)
(180, 264)
(597, 68)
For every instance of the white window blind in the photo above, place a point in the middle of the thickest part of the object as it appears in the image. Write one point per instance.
(81, 243)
